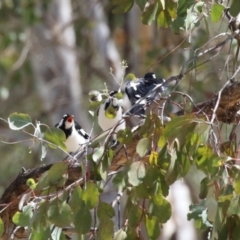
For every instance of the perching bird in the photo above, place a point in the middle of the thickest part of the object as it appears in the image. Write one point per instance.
(76, 137)
(138, 88)
(110, 115)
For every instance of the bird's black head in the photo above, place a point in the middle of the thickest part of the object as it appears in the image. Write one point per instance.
(66, 122)
(150, 75)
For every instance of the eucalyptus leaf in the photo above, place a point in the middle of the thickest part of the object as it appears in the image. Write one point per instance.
(136, 173)
(217, 12)
(91, 195)
(152, 227)
(56, 172)
(143, 147)
(18, 121)
(55, 137)
(83, 220)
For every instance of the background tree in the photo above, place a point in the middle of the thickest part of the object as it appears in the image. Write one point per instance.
(51, 49)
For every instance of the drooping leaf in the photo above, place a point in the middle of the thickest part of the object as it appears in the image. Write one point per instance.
(183, 5)
(153, 158)
(235, 8)
(133, 214)
(204, 188)
(120, 235)
(39, 221)
(23, 218)
(83, 220)
(152, 227)
(91, 195)
(196, 210)
(161, 208)
(106, 229)
(236, 185)
(105, 211)
(216, 12)
(98, 154)
(191, 19)
(55, 136)
(143, 147)
(122, 6)
(141, 3)
(76, 199)
(43, 234)
(17, 121)
(136, 173)
(59, 213)
(56, 172)
(164, 19)
(149, 12)
(1, 227)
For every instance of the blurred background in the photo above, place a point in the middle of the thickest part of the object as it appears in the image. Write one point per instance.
(52, 53)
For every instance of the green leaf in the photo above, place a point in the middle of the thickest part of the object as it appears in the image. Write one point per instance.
(23, 218)
(56, 172)
(153, 158)
(83, 220)
(217, 12)
(152, 227)
(17, 121)
(121, 6)
(141, 3)
(40, 220)
(125, 136)
(143, 147)
(133, 214)
(136, 173)
(55, 136)
(91, 195)
(196, 210)
(120, 180)
(149, 13)
(164, 19)
(171, 7)
(236, 185)
(120, 235)
(59, 213)
(106, 230)
(161, 208)
(98, 154)
(204, 188)
(191, 19)
(44, 234)
(183, 5)
(105, 211)
(76, 199)
(234, 206)
(1, 227)
(235, 8)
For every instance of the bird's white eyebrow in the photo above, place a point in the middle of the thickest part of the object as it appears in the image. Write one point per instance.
(154, 76)
(60, 123)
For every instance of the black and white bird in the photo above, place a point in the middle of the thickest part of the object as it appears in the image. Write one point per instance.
(138, 88)
(76, 137)
(110, 115)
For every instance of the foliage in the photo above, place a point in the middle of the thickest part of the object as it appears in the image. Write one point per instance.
(164, 153)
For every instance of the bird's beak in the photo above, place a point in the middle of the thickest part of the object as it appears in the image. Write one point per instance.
(70, 119)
